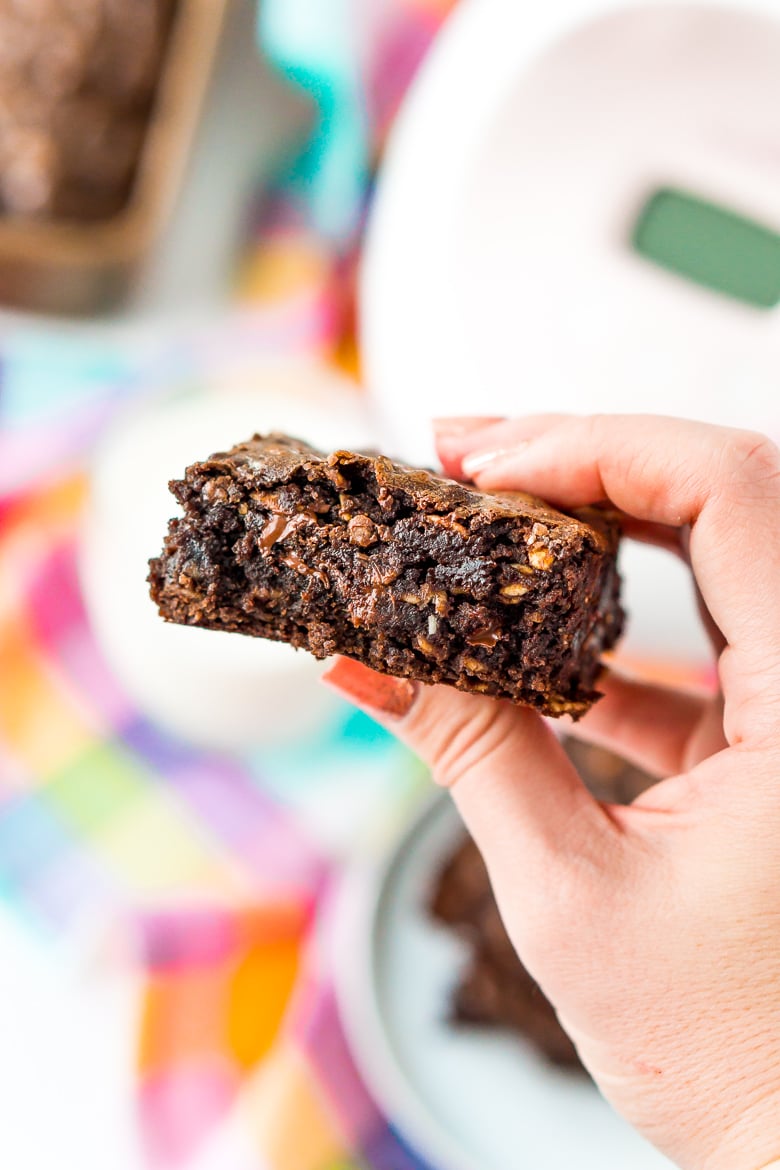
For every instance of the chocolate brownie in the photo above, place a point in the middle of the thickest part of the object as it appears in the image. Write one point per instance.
(495, 989)
(415, 575)
(77, 83)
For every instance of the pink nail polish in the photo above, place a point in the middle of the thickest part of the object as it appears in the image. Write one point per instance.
(456, 428)
(479, 460)
(388, 696)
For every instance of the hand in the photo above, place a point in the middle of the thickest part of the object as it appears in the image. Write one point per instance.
(654, 929)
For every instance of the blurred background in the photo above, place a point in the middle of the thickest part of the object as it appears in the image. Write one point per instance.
(236, 930)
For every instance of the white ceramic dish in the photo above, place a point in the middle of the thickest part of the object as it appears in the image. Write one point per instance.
(499, 271)
(465, 1099)
(258, 691)
(499, 275)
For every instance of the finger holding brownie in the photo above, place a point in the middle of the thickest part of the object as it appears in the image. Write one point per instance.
(654, 929)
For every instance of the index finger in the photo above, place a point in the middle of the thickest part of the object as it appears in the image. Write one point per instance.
(724, 483)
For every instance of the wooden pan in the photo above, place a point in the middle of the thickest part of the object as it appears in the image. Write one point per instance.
(80, 268)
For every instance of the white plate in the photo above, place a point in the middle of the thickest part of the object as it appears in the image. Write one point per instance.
(499, 274)
(465, 1098)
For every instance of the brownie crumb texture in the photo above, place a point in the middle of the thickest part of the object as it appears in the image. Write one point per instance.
(415, 575)
(494, 989)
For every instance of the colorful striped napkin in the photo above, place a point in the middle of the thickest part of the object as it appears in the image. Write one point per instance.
(201, 860)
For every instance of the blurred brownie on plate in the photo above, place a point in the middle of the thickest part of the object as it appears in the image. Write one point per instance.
(495, 989)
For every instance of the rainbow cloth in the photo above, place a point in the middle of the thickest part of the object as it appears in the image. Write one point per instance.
(196, 858)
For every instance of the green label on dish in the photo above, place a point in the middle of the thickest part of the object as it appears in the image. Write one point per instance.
(711, 245)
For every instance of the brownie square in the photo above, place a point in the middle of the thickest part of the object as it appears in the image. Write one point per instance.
(410, 573)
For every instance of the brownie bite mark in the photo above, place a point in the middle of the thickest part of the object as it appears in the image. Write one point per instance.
(412, 574)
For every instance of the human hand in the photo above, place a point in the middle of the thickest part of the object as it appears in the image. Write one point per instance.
(654, 929)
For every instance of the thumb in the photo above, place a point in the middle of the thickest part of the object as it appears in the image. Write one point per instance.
(535, 823)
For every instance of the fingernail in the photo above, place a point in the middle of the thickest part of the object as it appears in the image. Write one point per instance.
(367, 688)
(477, 462)
(453, 428)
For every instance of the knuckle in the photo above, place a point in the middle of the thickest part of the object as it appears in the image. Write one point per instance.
(595, 427)
(476, 743)
(750, 459)
(472, 733)
(624, 458)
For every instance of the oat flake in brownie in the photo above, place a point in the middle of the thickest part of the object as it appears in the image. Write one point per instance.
(412, 574)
